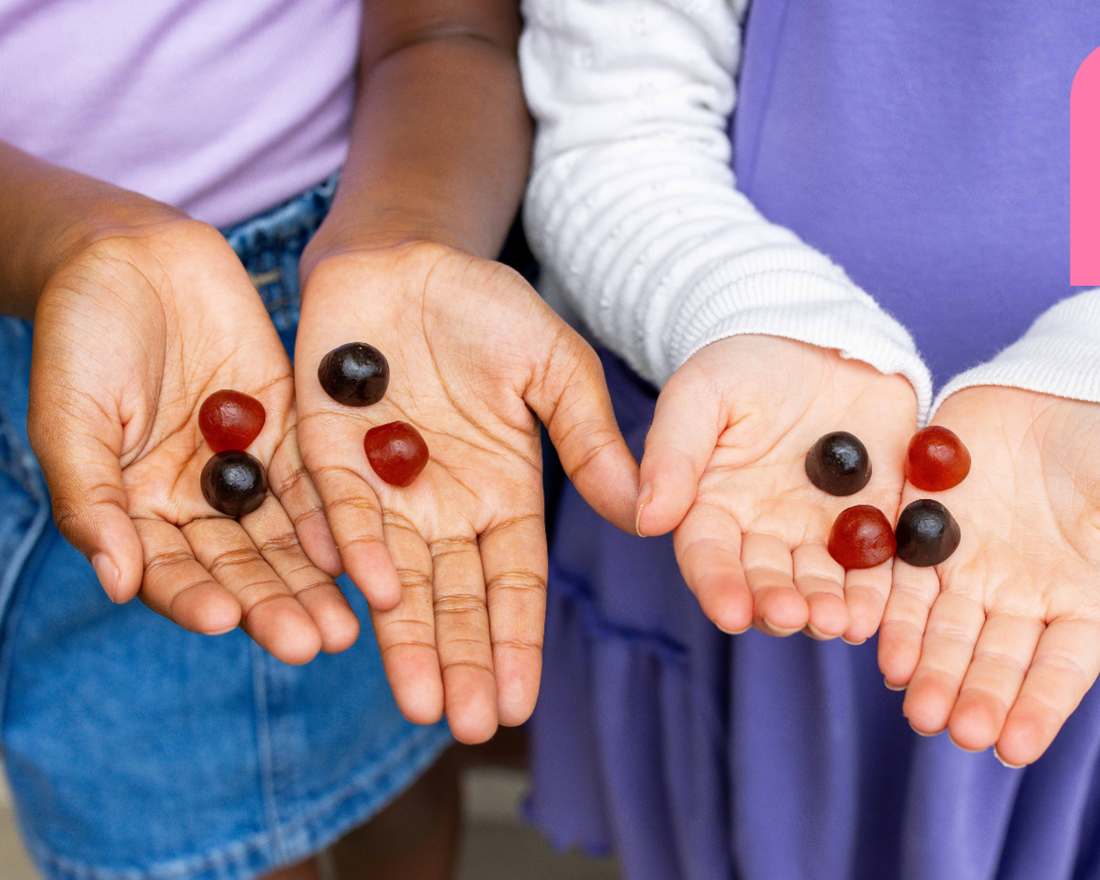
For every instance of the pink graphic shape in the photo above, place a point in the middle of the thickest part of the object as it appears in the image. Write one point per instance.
(1084, 175)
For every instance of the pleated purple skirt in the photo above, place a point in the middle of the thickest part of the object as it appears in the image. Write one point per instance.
(698, 756)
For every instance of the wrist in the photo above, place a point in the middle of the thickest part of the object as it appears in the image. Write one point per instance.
(375, 230)
(371, 266)
(84, 217)
(51, 214)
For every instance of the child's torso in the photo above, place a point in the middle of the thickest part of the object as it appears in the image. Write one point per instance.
(924, 147)
(222, 108)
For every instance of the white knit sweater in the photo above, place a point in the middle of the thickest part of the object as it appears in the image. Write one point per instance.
(633, 211)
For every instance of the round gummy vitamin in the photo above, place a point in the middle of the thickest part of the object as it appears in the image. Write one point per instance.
(355, 374)
(936, 459)
(234, 483)
(838, 464)
(231, 420)
(927, 533)
(861, 537)
(397, 452)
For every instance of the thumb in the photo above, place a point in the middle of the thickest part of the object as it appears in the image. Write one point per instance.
(79, 456)
(678, 447)
(571, 399)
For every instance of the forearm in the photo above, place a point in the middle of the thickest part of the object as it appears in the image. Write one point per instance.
(45, 213)
(633, 209)
(440, 141)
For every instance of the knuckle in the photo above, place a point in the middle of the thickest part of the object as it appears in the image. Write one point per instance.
(518, 643)
(520, 581)
(387, 649)
(69, 517)
(367, 541)
(301, 517)
(350, 506)
(414, 579)
(227, 560)
(1001, 659)
(289, 479)
(166, 559)
(599, 440)
(457, 605)
(479, 666)
(519, 520)
(442, 547)
(314, 583)
(278, 544)
(74, 514)
(248, 609)
(952, 632)
(1062, 664)
(396, 520)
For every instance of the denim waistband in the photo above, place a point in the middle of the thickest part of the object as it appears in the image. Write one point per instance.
(270, 247)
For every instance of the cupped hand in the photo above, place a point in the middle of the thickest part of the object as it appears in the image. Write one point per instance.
(1000, 642)
(132, 333)
(724, 466)
(454, 565)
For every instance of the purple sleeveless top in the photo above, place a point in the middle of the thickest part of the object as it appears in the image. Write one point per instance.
(924, 147)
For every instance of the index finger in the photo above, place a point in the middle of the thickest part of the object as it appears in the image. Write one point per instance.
(355, 517)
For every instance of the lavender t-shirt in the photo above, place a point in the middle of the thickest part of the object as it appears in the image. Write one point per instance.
(220, 107)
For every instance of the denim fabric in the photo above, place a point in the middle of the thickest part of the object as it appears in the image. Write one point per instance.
(139, 751)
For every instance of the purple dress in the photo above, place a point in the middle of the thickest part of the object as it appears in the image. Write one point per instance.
(925, 147)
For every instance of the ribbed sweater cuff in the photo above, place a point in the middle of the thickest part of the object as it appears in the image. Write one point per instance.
(803, 306)
(1059, 355)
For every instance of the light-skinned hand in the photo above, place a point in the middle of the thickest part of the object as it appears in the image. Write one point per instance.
(132, 332)
(454, 566)
(724, 466)
(999, 643)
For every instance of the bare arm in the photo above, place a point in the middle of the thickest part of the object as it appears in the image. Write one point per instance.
(46, 213)
(441, 138)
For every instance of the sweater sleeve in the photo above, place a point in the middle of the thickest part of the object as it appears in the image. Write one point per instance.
(632, 207)
(1059, 355)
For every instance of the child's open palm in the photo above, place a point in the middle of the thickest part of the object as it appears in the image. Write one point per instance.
(454, 565)
(1001, 641)
(131, 335)
(724, 466)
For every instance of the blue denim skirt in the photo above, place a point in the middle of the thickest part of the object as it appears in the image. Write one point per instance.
(139, 751)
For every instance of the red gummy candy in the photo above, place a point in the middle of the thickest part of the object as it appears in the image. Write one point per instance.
(861, 537)
(231, 420)
(936, 459)
(397, 452)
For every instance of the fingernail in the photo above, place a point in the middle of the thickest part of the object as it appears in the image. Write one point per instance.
(107, 572)
(921, 733)
(644, 497)
(850, 642)
(891, 687)
(997, 755)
